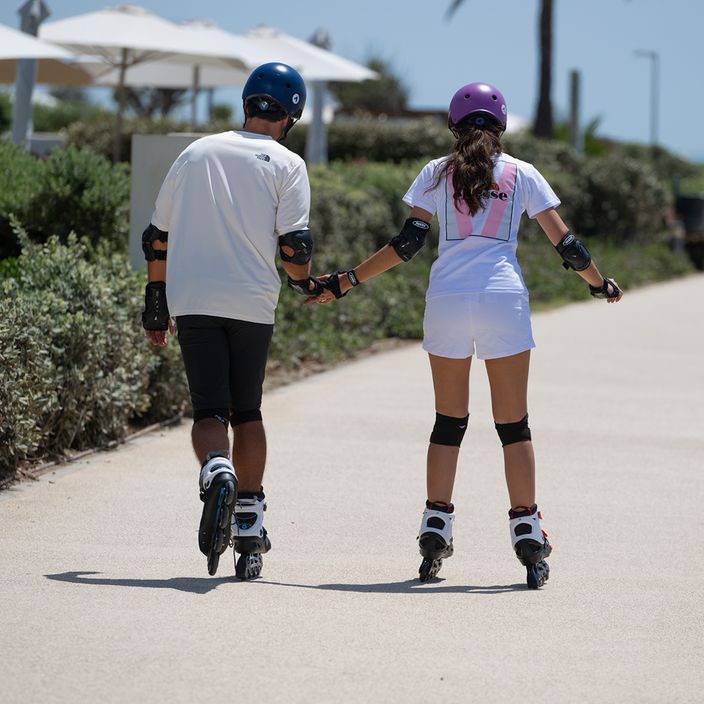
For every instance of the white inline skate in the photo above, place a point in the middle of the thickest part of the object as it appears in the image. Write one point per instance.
(530, 544)
(249, 537)
(435, 538)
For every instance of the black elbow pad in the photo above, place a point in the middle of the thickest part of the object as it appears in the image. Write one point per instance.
(411, 239)
(301, 242)
(573, 252)
(148, 236)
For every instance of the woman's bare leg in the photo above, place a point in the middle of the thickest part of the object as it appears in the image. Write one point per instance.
(451, 384)
(508, 379)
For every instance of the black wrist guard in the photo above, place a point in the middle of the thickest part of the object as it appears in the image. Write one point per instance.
(573, 252)
(332, 284)
(155, 315)
(603, 290)
(306, 287)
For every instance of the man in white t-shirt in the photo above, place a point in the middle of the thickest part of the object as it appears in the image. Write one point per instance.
(227, 204)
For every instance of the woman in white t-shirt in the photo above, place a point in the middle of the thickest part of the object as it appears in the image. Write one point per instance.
(477, 303)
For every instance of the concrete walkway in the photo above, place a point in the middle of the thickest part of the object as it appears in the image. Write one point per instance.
(105, 597)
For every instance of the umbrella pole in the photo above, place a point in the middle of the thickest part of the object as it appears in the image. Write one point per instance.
(194, 98)
(120, 108)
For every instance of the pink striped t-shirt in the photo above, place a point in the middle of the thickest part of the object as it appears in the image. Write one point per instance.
(478, 253)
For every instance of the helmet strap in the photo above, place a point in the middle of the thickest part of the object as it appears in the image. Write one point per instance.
(291, 122)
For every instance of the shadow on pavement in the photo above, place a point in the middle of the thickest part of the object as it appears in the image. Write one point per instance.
(410, 586)
(202, 585)
(195, 585)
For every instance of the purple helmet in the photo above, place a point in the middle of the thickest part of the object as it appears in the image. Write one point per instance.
(477, 98)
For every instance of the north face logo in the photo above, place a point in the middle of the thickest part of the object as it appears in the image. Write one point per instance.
(263, 157)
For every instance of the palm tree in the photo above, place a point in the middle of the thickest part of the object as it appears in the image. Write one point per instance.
(543, 125)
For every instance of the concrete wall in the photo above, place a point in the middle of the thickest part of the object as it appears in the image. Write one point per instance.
(152, 156)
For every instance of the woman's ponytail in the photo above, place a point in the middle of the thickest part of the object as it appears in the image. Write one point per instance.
(470, 164)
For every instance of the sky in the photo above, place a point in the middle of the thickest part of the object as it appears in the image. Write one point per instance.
(496, 42)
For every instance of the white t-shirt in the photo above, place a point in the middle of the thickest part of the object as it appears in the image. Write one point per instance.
(478, 253)
(224, 202)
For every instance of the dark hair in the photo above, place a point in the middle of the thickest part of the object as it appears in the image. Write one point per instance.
(264, 108)
(471, 162)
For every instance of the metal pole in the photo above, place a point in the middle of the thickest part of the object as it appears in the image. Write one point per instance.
(575, 133)
(655, 98)
(316, 144)
(317, 141)
(194, 97)
(117, 136)
(654, 58)
(32, 14)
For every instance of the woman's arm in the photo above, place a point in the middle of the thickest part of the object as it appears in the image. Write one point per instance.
(382, 260)
(555, 229)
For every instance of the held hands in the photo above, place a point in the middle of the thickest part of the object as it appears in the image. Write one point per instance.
(334, 286)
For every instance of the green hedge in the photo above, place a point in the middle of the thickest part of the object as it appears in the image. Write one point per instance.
(73, 190)
(97, 133)
(75, 367)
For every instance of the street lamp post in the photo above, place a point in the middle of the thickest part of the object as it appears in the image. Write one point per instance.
(654, 90)
(32, 14)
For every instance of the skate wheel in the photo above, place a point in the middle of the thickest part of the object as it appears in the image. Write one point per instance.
(230, 493)
(224, 518)
(220, 541)
(537, 575)
(429, 569)
(248, 566)
(213, 561)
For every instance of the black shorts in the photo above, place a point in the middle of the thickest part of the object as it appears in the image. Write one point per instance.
(225, 364)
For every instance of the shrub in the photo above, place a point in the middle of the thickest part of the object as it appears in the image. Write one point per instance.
(97, 133)
(75, 364)
(370, 139)
(82, 192)
(5, 112)
(20, 178)
(625, 199)
(52, 118)
(72, 190)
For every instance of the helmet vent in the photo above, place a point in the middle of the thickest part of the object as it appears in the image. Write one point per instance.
(493, 97)
(466, 96)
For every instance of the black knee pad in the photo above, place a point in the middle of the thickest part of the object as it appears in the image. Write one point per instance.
(219, 414)
(448, 430)
(240, 417)
(513, 432)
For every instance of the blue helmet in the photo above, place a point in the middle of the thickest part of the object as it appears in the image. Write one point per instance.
(279, 82)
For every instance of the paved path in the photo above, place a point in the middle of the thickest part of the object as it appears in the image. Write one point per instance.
(105, 597)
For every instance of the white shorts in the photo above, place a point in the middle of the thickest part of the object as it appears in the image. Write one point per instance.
(489, 324)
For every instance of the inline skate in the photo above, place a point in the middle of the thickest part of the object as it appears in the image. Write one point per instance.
(249, 537)
(530, 544)
(218, 492)
(435, 538)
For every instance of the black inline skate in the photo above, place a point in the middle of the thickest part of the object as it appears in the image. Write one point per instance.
(249, 537)
(435, 538)
(531, 545)
(218, 492)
